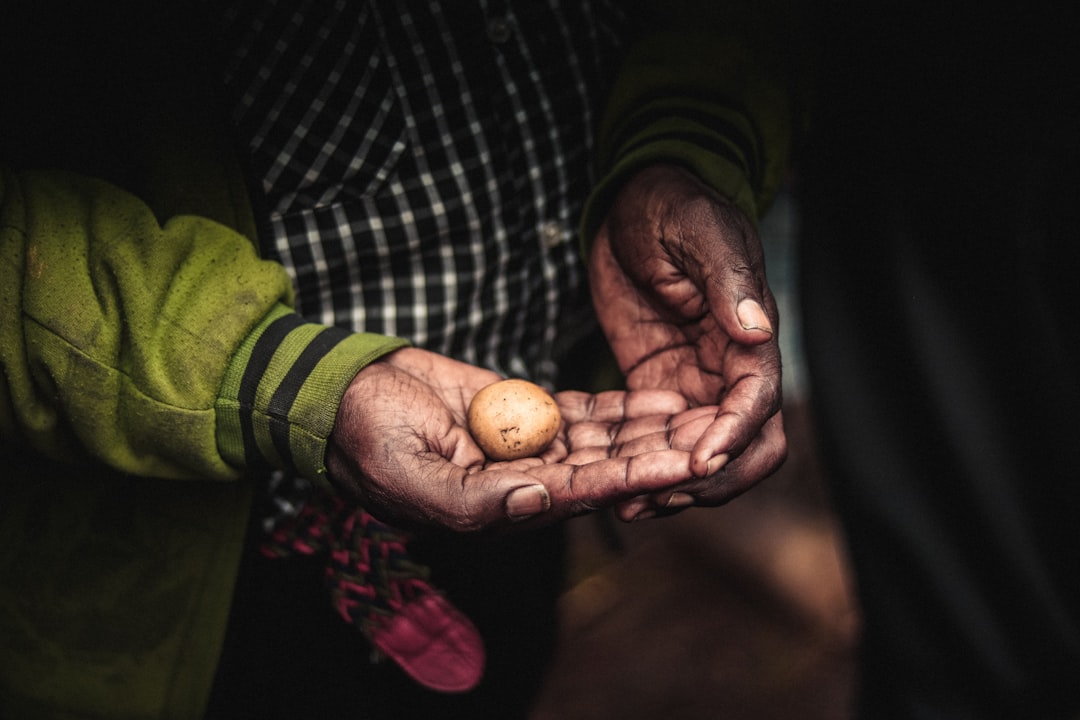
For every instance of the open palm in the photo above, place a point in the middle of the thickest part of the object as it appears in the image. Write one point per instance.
(402, 449)
(679, 285)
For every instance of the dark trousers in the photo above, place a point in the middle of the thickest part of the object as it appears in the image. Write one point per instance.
(940, 279)
(289, 655)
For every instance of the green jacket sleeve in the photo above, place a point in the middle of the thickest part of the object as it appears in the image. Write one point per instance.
(708, 88)
(164, 350)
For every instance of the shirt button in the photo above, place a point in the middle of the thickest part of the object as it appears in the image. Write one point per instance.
(498, 30)
(551, 234)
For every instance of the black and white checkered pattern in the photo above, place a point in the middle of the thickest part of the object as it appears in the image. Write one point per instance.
(424, 164)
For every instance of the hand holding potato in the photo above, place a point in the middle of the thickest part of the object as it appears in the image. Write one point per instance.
(401, 448)
(679, 286)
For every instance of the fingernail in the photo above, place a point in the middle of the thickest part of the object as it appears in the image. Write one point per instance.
(680, 500)
(645, 515)
(527, 501)
(752, 316)
(715, 464)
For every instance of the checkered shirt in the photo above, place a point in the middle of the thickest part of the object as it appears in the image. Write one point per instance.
(423, 164)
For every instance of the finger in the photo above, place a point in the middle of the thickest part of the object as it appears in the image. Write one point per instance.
(680, 432)
(761, 459)
(754, 398)
(509, 491)
(557, 450)
(645, 434)
(587, 435)
(639, 508)
(617, 405)
(495, 496)
(631, 430)
(457, 446)
(587, 455)
(738, 294)
(592, 441)
(575, 489)
(611, 435)
(669, 501)
(663, 504)
(758, 461)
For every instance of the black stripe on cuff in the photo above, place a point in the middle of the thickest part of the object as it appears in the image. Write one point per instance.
(660, 112)
(705, 141)
(261, 354)
(282, 401)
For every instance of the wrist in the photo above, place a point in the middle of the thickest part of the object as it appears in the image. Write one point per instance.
(279, 400)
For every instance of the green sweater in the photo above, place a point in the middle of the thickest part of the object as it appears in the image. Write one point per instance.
(150, 357)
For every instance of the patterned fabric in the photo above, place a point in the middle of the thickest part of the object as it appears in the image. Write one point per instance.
(422, 172)
(424, 167)
(376, 586)
(369, 572)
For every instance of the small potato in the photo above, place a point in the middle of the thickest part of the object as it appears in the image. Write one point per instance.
(512, 419)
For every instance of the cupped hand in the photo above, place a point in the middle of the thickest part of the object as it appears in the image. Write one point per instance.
(678, 281)
(401, 448)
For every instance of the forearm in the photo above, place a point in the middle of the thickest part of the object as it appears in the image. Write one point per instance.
(135, 342)
(709, 95)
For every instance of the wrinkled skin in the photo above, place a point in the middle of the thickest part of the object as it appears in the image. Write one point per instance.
(402, 449)
(679, 284)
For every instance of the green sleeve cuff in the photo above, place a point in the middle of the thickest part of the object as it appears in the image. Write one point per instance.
(702, 101)
(282, 389)
(115, 329)
(719, 159)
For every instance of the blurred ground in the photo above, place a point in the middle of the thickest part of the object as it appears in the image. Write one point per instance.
(742, 612)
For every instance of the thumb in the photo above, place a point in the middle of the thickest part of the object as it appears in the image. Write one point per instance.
(491, 497)
(753, 323)
(739, 308)
(730, 272)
